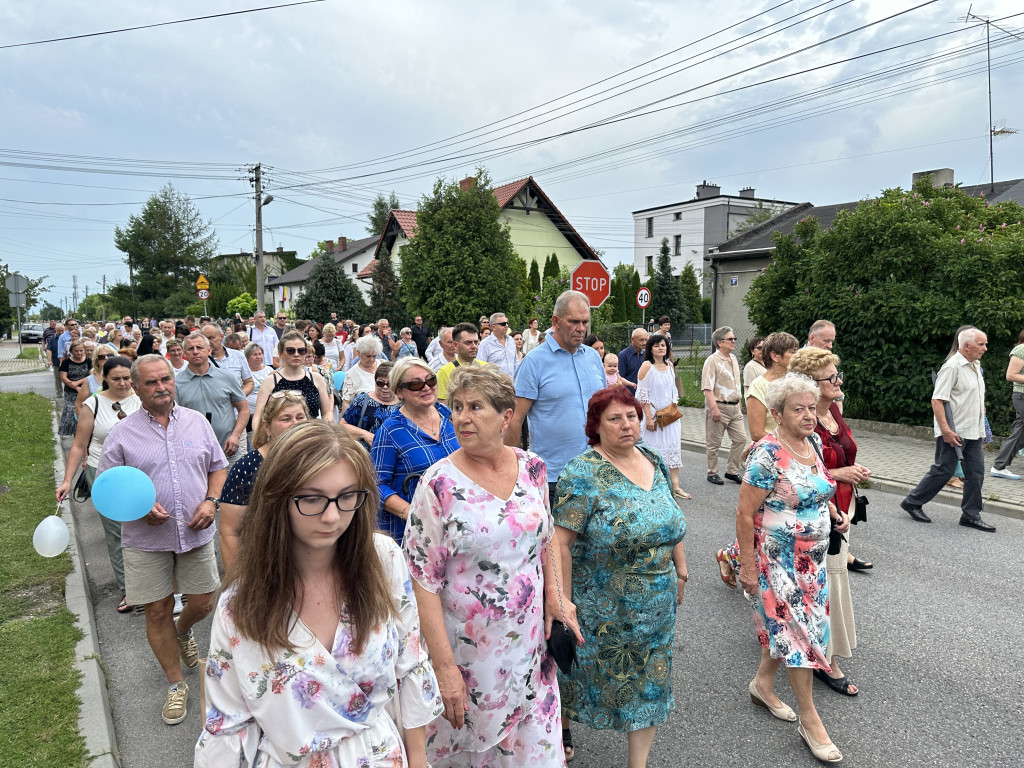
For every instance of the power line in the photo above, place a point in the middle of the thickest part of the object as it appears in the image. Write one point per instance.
(158, 24)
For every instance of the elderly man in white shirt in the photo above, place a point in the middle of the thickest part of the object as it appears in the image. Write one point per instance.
(958, 405)
(499, 348)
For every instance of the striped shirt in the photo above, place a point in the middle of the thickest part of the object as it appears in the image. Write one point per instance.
(179, 461)
(401, 449)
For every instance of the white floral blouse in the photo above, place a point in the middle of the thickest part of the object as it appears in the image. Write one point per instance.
(318, 707)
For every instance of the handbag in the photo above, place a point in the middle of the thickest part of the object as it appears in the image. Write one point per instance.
(667, 415)
(81, 491)
(860, 508)
(561, 642)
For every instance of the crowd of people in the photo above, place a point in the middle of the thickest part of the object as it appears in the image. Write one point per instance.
(390, 528)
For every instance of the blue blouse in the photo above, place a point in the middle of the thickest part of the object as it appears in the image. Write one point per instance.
(401, 449)
(376, 413)
(241, 479)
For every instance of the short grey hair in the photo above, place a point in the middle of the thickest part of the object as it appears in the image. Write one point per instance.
(495, 317)
(719, 334)
(968, 336)
(639, 329)
(369, 345)
(399, 369)
(146, 359)
(251, 348)
(780, 390)
(565, 298)
(819, 326)
(192, 337)
(215, 327)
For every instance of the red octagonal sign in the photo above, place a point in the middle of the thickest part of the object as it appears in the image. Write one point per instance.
(590, 277)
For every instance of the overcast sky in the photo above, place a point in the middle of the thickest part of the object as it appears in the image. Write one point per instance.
(341, 100)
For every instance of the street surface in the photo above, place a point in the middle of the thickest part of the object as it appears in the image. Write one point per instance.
(939, 623)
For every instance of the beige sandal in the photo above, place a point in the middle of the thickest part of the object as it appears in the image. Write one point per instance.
(827, 753)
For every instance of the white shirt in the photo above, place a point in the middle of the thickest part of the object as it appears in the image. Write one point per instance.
(267, 339)
(960, 384)
(235, 363)
(503, 356)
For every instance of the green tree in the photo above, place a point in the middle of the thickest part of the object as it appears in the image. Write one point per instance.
(689, 287)
(550, 268)
(49, 312)
(666, 292)
(385, 293)
(378, 215)
(635, 313)
(518, 315)
(36, 286)
(245, 305)
(760, 214)
(897, 275)
(168, 245)
(534, 277)
(553, 286)
(94, 306)
(328, 289)
(461, 263)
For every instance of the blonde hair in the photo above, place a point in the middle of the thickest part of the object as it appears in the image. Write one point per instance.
(809, 360)
(276, 403)
(399, 369)
(268, 593)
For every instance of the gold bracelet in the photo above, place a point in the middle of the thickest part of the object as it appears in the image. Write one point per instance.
(682, 577)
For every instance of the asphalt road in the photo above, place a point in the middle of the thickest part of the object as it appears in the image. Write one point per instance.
(939, 622)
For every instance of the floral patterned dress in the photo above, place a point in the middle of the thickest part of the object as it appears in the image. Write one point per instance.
(791, 531)
(318, 707)
(624, 586)
(484, 556)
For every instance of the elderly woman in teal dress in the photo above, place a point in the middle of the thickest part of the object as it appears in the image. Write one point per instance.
(619, 555)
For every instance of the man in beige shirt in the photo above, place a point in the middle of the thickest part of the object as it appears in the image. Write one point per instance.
(720, 381)
(960, 387)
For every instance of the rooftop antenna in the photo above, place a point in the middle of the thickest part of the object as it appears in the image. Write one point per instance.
(993, 131)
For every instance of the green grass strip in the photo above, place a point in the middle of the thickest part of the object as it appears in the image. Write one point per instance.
(29, 353)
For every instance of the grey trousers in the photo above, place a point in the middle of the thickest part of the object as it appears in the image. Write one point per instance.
(112, 536)
(942, 469)
(1015, 441)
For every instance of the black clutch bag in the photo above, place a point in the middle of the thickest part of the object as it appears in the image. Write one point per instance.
(860, 508)
(81, 491)
(562, 646)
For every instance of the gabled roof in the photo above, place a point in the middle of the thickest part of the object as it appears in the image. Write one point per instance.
(759, 238)
(405, 221)
(301, 272)
(367, 271)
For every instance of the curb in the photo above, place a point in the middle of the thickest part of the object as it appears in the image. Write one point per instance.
(95, 722)
(1002, 508)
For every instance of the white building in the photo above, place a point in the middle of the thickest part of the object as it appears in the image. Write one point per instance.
(351, 255)
(693, 226)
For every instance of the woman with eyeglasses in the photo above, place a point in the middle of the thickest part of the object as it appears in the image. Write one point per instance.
(315, 640)
(360, 377)
(369, 410)
(283, 410)
(291, 352)
(115, 400)
(74, 369)
(406, 348)
(94, 380)
(408, 443)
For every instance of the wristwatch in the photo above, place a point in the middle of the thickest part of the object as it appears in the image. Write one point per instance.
(216, 502)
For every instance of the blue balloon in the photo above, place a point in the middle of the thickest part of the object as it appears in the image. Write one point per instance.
(339, 380)
(123, 494)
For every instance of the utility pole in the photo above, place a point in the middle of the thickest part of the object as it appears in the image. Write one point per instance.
(131, 282)
(103, 300)
(74, 291)
(258, 180)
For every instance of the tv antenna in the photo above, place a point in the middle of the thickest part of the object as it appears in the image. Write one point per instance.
(993, 130)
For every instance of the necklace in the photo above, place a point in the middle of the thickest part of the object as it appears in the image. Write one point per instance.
(430, 430)
(791, 448)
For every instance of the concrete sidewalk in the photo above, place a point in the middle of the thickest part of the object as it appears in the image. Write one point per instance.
(897, 464)
(9, 364)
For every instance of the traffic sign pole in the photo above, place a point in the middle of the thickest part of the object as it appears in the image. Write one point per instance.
(643, 300)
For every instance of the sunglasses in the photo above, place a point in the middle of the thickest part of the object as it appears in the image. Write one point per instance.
(120, 411)
(295, 350)
(290, 394)
(418, 385)
(102, 357)
(282, 317)
(505, 322)
(382, 383)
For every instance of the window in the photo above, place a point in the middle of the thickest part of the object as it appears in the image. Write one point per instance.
(355, 267)
(677, 245)
(650, 226)
(677, 215)
(650, 265)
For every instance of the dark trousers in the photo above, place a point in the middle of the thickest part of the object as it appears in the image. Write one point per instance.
(1015, 441)
(973, 466)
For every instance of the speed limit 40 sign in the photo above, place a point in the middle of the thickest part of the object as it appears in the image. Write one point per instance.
(643, 298)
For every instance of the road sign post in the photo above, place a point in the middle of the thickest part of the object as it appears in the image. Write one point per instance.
(591, 278)
(643, 300)
(17, 284)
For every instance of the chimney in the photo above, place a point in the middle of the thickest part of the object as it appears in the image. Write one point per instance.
(941, 177)
(280, 249)
(467, 183)
(329, 244)
(747, 192)
(706, 190)
(342, 243)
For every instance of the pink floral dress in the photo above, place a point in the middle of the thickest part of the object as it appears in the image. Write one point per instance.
(791, 531)
(484, 556)
(318, 707)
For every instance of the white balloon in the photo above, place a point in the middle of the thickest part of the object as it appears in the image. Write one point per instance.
(51, 537)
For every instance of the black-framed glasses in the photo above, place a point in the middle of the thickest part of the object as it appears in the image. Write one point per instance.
(295, 350)
(120, 411)
(312, 505)
(418, 385)
(282, 317)
(102, 357)
(503, 322)
(729, 338)
(835, 378)
(382, 383)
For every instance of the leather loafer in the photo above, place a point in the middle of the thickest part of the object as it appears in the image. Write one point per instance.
(716, 480)
(735, 478)
(978, 523)
(915, 512)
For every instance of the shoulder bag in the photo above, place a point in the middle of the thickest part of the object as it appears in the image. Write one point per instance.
(667, 415)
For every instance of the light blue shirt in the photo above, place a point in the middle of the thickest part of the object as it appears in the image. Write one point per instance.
(560, 385)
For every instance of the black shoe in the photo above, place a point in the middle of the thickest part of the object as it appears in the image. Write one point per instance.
(978, 523)
(915, 512)
(735, 478)
(716, 480)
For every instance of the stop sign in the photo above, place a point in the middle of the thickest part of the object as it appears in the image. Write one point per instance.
(590, 277)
